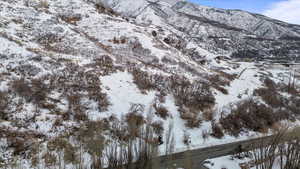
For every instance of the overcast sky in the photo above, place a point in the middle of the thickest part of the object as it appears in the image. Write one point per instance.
(286, 10)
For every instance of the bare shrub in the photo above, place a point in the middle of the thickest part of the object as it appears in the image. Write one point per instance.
(281, 150)
(294, 105)
(270, 96)
(34, 91)
(217, 131)
(71, 18)
(135, 119)
(66, 151)
(143, 80)
(4, 103)
(49, 159)
(161, 111)
(222, 89)
(91, 139)
(286, 107)
(250, 115)
(75, 107)
(103, 9)
(22, 88)
(170, 140)
(135, 152)
(121, 40)
(196, 95)
(48, 40)
(158, 127)
(192, 119)
(219, 82)
(39, 91)
(209, 114)
(80, 115)
(270, 83)
(103, 63)
(193, 123)
(289, 154)
(161, 96)
(73, 79)
(228, 76)
(191, 97)
(168, 60)
(34, 154)
(19, 141)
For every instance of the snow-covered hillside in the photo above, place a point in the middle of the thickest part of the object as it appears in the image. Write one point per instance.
(70, 66)
(224, 32)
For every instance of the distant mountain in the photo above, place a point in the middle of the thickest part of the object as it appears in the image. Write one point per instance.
(231, 32)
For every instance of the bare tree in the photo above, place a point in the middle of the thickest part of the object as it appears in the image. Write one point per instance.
(170, 141)
(284, 148)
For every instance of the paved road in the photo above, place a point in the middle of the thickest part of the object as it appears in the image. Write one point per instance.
(193, 159)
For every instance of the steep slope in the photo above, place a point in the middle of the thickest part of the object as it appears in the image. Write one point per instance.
(76, 75)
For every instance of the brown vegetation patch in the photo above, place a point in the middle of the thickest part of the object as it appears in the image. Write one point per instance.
(192, 118)
(4, 103)
(104, 64)
(191, 97)
(253, 116)
(20, 141)
(34, 91)
(217, 130)
(71, 19)
(103, 9)
(209, 114)
(143, 80)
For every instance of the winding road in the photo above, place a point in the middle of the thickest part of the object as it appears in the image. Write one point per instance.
(193, 159)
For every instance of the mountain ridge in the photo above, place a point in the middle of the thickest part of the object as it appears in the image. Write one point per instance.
(194, 20)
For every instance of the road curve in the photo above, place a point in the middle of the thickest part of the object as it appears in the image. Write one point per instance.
(192, 159)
